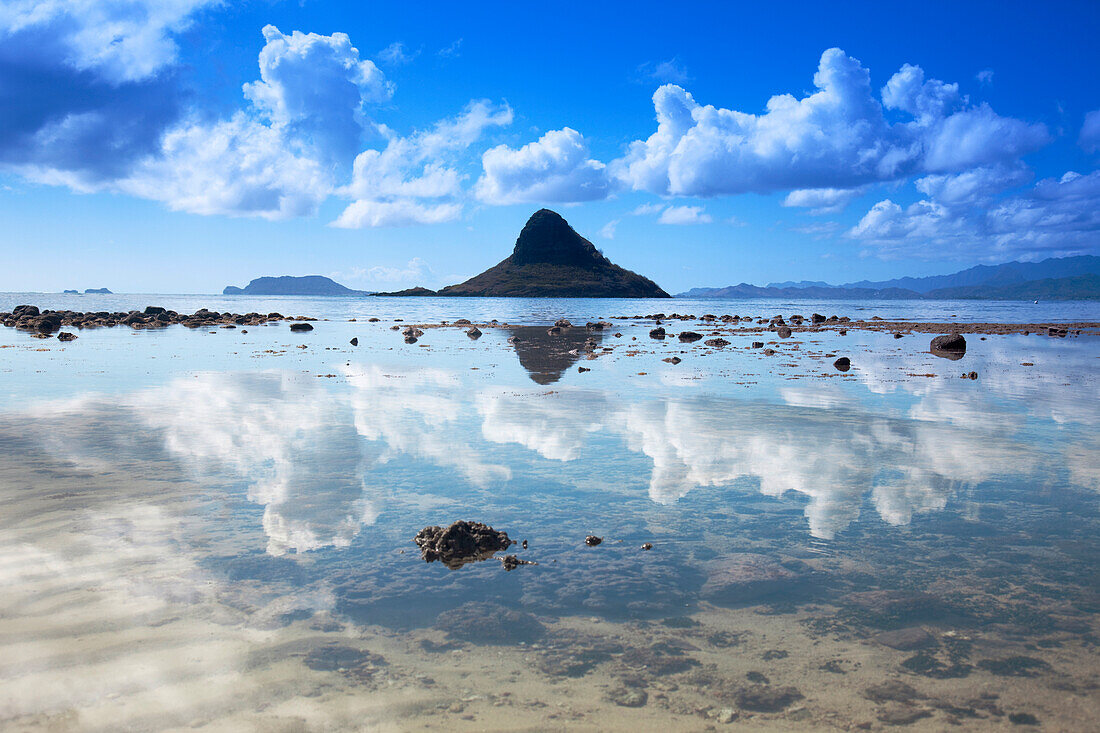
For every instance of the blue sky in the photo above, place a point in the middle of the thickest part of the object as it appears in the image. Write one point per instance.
(182, 145)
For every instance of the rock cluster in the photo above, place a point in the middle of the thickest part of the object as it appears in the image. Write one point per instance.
(46, 322)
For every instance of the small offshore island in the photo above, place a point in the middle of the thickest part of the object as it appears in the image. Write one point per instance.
(550, 260)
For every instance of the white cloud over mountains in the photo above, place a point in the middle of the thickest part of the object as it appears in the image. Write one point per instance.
(554, 169)
(413, 180)
(1058, 217)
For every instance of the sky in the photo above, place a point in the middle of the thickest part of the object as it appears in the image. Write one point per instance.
(178, 146)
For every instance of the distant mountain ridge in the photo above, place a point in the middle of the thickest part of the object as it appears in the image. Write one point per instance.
(1057, 278)
(290, 285)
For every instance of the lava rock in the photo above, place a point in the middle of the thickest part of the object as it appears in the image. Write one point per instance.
(354, 342)
(843, 364)
(301, 327)
(767, 699)
(511, 562)
(461, 543)
(627, 697)
(66, 336)
(688, 337)
(657, 333)
(952, 342)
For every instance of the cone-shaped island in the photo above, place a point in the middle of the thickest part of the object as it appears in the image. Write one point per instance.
(551, 260)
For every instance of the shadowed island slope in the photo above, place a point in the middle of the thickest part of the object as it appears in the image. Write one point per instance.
(551, 260)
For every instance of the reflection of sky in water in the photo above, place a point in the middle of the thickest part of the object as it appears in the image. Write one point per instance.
(320, 456)
(198, 510)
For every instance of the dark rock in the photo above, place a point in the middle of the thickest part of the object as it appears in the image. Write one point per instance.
(345, 659)
(563, 323)
(463, 322)
(490, 623)
(49, 323)
(592, 540)
(1056, 332)
(898, 335)
(627, 697)
(817, 318)
(1022, 719)
(949, 346)
(23, 311)
(757, 345)
(582, 370)
(1015, 666)
(902, 714)
(301, 327)
(767, 699)
(659, 660)
(473, 332)
(688, 337)
(354, 342)
(843, 364)
(657, 333)
(647, 545)
(769, 352)
(461, 543)
(940, 667)
(673, 359)
(972, 375)
(717, 342)
(66, 336)
(784, 332)
(892, 691)
(511, 562)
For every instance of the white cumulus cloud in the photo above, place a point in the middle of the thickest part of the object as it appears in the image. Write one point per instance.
(1057, 217)
(684, 215)
(837, 137)
(554, 169)
(822, 200)
(121, 40)
(413, 180)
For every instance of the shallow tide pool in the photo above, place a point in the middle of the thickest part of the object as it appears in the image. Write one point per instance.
(212, 530)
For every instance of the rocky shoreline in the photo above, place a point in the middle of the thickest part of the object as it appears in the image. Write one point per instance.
(45, 323)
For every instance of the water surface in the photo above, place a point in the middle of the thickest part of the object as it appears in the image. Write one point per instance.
(213, 530)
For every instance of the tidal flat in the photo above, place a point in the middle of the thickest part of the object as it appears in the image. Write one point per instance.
(209, 529)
